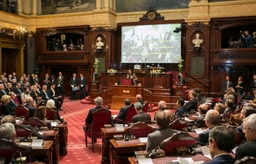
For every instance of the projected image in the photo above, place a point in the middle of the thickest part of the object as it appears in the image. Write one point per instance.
(151, 44)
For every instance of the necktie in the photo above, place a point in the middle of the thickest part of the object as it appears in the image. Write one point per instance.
(14, 102)
(46, 95)
(4, 92)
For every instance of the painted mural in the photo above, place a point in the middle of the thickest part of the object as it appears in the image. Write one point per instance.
(142, 5)
(67, 6)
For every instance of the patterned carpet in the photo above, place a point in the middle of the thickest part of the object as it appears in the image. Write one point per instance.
(75, 113)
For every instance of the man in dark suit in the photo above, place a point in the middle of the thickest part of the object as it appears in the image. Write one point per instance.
(164, 131)
(122, 111)
(139, 99)
(212, 119)
(30, 105)
(59, 85)
(74, 84)
(12, 103)
(249, 129)
(141, 116)
(221, 141)
(44, 94)
(98, 102)
(82, 86)
(192, 101)
(57, 99)
(2, 90)
(226, 84)
(17, 89)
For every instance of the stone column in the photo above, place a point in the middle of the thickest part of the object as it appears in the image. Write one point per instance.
(98, 4)
(34, 7)
(114, 5)
(19, 5)
(106, 4)
(27, 7)
(39, 7)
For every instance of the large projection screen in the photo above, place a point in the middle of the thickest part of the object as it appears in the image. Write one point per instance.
(151, 44)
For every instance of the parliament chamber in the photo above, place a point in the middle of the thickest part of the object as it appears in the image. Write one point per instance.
(171, 47)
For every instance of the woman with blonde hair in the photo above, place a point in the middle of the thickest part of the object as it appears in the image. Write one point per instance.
(6, 109)
(40, 113)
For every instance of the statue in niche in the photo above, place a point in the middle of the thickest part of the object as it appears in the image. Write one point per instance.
(99, 45)
(197, 42)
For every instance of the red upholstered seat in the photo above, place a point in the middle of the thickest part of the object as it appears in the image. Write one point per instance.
(99, 119)
(130, 112)
(35, 122)
(22, 131)
(51, 114)
(8, 148)
(181, 139)
(179, 124)
(22, 111)
(139, 130)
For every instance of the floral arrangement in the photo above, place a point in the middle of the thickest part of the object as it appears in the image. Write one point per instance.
(96, 63)
(111, 71)
(180, 65)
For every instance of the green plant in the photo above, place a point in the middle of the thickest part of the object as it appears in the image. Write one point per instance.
(96, 63)
(180, 65)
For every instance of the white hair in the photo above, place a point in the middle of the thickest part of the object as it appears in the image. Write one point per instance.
(7, 131)
(251, 121)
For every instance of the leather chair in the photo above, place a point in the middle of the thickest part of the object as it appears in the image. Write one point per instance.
(22, 111)
(181, 139)
(146, 106)
(99, 119)
(22, 131)
(179, 124)
(139, 130)
(8, 148)
(130, 112)
(246, 160)
(51, 114)
(35, 122)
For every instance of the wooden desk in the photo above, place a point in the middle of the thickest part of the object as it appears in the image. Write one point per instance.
(35, 163)
(44, 153)
(121, 92)
(63, 138)
(53, 135)
(120, 149)
(164, 160)
(106, 135)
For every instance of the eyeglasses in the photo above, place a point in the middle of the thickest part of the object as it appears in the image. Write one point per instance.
(246, 128)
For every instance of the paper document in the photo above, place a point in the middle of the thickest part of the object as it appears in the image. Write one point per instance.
(37, 143)
(54, 123)
(143, 139)
(206, 152)
(120, 127)
(25, 143)
(188, 120)
(145, 161)
(198, 130)
(187, 161)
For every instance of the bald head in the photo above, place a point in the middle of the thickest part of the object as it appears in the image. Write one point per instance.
(212, 118)
(203, 108)
(162, 105)
(138, 97)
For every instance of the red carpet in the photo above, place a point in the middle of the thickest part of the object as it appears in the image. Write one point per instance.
(75, 113)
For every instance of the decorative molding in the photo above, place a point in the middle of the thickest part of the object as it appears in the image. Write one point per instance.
(233, 55)
(151, 15)
(61, 57)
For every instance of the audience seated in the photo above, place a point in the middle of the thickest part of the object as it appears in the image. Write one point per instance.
(98, 103)
(202, 110)
(212, 119)
(5, 108)
(139, 99)
(31, 106)
(7, 131)
(192, 103)
(122, 112)
(221, 141)
(51, 105)
(164, 131)
(249, 129)
(11, 119)
(141, 116)
(229, 104)
(161, 106)
(219, 107)
(12, 102)
(180, 111)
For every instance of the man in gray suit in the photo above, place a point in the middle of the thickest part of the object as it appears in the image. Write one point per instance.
(163, 132)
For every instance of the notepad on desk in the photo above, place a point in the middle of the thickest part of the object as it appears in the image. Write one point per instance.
(54, 123)
(143, 139)
(37, 142)
(119, 127)
(187, 161)
(25, 143)
(198, 130)
(145, 161)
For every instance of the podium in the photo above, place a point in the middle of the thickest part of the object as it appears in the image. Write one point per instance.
(121, 92)
(126, 81)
